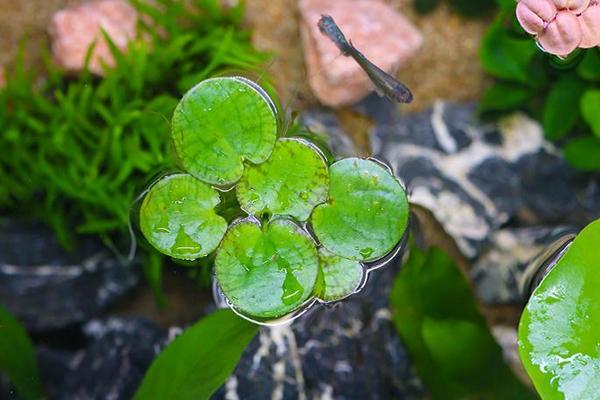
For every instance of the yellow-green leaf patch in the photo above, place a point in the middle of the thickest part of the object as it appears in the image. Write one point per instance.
(291, 182)
(367, 211)
(266, 272)
(178, 218)
(338, 277)
(220, 123)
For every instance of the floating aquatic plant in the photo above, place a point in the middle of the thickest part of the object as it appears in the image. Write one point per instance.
(304, 230)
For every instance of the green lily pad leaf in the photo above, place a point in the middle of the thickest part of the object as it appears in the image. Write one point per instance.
(559, 330)
(220, 123)
(178, 218)
(367, 212)
(269, 272)
(291, 182)
(338, 277)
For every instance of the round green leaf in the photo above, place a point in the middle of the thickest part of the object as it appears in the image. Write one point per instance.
(367, 212)
(338, 277)
(268, 272)
(177, 217)
(559, 331)
(220, 123)
(291, 182)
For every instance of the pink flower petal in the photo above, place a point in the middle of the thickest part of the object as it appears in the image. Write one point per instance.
(575, 6)
(534, 14)
(562, 35)
(590, 27)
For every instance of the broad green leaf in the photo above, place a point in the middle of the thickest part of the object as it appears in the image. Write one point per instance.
(584, 153)
(338, 277)
(559, 331)
(199, 361)
(504, 56)
(502, 96)
(177, 217)
(561, 110)
(435, 313)
(219, 124)
(268, 272)
(590, 109)
(589, 67)
(17, 358)
(367, 211)
(291, 182)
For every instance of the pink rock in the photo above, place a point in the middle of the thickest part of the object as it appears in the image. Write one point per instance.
(382, 34)
(562, 35)
(74, 30)
(533, 15)
(590, 27)
(575, 6)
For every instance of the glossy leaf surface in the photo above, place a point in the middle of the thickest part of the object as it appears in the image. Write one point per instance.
(559, 332)
(291, 182)
(338, 277)
(266, 272)
(219, 124)
(178, 218)
(367, 211)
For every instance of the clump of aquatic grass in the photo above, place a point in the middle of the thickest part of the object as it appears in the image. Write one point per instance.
(76, 150)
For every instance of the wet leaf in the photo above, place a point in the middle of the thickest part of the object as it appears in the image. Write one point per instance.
(291, 182)
(559, 329)
(367, 212)
(199, 361)
(17, 357)
(266, 272)
(338, 277)
(178, 218)
(220, 123)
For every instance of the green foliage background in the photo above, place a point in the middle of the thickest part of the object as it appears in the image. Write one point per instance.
(76, 151)
(564, 95)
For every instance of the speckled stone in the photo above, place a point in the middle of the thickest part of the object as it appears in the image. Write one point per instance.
(350, 351)
(381, 33)
(48, 288)
(478, 177)
(498, 270)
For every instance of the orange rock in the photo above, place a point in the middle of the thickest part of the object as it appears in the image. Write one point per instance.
(74, 30)
(381, 33)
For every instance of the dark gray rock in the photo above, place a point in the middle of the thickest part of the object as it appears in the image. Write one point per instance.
(499, 268)
(477, 177)
(348, 351)
(48, 288)
(113, 364)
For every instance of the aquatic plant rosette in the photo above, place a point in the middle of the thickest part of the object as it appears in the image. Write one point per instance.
(302, 230)
(561, 26)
